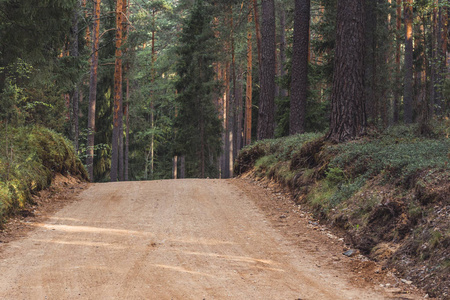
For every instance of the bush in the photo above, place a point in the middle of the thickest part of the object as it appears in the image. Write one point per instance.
(29, 158)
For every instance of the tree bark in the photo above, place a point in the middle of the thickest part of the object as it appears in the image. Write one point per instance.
(396, 104)
(175, 167)
(117, 93)
(282, 16)
(75, 93)
(249, 87)
(232, 103)
(348, 119)
(408, 79)
(441, 57)
(257, 30)
(239, 113)
(370, 61)
(266, 113)
(121, 112)
(93, 90)
(299, 80)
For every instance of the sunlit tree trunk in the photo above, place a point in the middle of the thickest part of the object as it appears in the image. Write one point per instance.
(93, 90)
(117, 93)
(266, 112)
(299, 81)
(408, 79)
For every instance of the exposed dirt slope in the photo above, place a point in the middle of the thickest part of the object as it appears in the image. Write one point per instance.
(183, 239)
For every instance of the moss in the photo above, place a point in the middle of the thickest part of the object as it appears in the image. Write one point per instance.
(30, 158)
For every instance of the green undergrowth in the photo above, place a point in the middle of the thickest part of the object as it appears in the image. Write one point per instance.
(29, 158)
(390, 188)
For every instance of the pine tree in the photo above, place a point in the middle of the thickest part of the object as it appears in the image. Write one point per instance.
(93, 90)
(266, 113)
(198, 129)
(299, 83)
(408, 79)
(347, 99)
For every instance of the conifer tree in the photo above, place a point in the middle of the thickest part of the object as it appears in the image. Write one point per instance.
(266, 112)
(198, 129)
(93, 90)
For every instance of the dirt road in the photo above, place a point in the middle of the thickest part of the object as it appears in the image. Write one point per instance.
(183, 239)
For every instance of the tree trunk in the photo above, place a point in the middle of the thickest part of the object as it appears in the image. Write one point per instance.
(282, 15)
(121, 112)
(93, 90)
(75, 93)
(127, 134)
(408, 79)
(348, 119)
(182, 167)
(370, 61)
(441, 57)
(127, 105)
(257, 30)
(227, 121)
(396, 104)
(249, 87)
(239, 113)
(266, 113)
(117, 93)
(232, 110)
(299, 80)
(175, 167)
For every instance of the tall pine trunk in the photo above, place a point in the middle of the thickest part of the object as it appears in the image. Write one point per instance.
(117, 93)
(249, 87)
(370, 61)
(257, 30)
(396, 104)
(282, 16)
(75, 93)
(299, 80)
(348, 119)
(232, 102)
(408, 79)
(266, 112)
(93, 90)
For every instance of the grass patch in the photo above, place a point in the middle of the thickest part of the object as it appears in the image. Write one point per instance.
(29, 158)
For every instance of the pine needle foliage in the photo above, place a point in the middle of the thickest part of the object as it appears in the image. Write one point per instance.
(197, 126)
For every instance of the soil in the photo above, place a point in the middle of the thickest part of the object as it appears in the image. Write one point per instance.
(181, 239)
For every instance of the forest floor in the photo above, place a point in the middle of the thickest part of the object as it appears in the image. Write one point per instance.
(181, 239)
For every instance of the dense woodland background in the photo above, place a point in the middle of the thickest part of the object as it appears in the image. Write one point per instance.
(156, 89)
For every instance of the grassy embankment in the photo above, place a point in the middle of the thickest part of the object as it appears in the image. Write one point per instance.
(29, 158)
(389, 192)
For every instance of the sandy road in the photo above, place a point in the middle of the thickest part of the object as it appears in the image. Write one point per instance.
(184, 239)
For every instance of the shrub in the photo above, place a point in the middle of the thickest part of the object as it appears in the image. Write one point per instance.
(30, 158)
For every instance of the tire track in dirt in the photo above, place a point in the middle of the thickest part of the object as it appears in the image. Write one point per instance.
(178, 239)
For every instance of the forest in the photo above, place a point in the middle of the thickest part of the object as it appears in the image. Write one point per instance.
(344, 104)
(162, 89)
